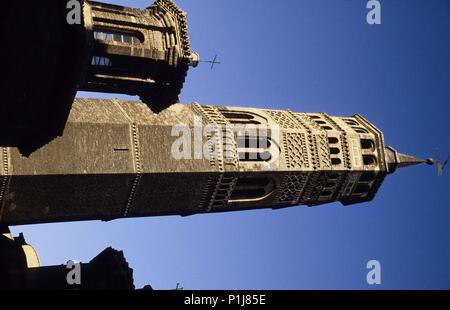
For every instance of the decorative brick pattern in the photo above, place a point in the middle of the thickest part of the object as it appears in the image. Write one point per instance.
(291, 188)
(296, 150)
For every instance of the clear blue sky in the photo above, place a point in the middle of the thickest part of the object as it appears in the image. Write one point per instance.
(305, 55)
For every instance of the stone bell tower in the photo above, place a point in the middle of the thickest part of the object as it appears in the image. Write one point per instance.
(138, 52)
(118, 159)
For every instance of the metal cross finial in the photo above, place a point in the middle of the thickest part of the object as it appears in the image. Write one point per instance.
(212, 62)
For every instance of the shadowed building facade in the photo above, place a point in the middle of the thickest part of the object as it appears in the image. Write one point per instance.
(118, 159)
(20, 268)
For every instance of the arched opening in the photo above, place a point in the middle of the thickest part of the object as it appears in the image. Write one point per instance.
(369, 160)
(251, 148)
(333, 140)
(253, 142)
(335, 161)
(360, 130)
(367, 144)
(327, 128)
(334, 150)
(118, 36)
(243, 117)
(351, 122)
(252, 188)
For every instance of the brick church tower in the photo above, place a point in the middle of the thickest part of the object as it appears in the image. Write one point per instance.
(118, 159)
(138, 52)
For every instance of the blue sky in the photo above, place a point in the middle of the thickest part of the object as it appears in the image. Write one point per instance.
(308, 56)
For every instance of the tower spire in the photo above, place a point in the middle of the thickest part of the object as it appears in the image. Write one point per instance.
(396, 160)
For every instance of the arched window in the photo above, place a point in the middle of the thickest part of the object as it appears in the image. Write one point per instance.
(333, 140)
(336, 161)
(253, 142)
(369, 160)
(243, 117)
(253, 148)
(367, 144)
(360, 130)
(327, 128)
(117, 36)
(351, 122)
(252, 188)
(253, 136)
(334, 150)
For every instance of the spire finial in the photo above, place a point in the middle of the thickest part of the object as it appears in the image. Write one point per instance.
(396, 160)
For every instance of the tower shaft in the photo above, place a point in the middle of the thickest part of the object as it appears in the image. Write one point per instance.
(119, 159)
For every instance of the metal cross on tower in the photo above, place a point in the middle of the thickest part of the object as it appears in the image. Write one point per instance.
(212, 62)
